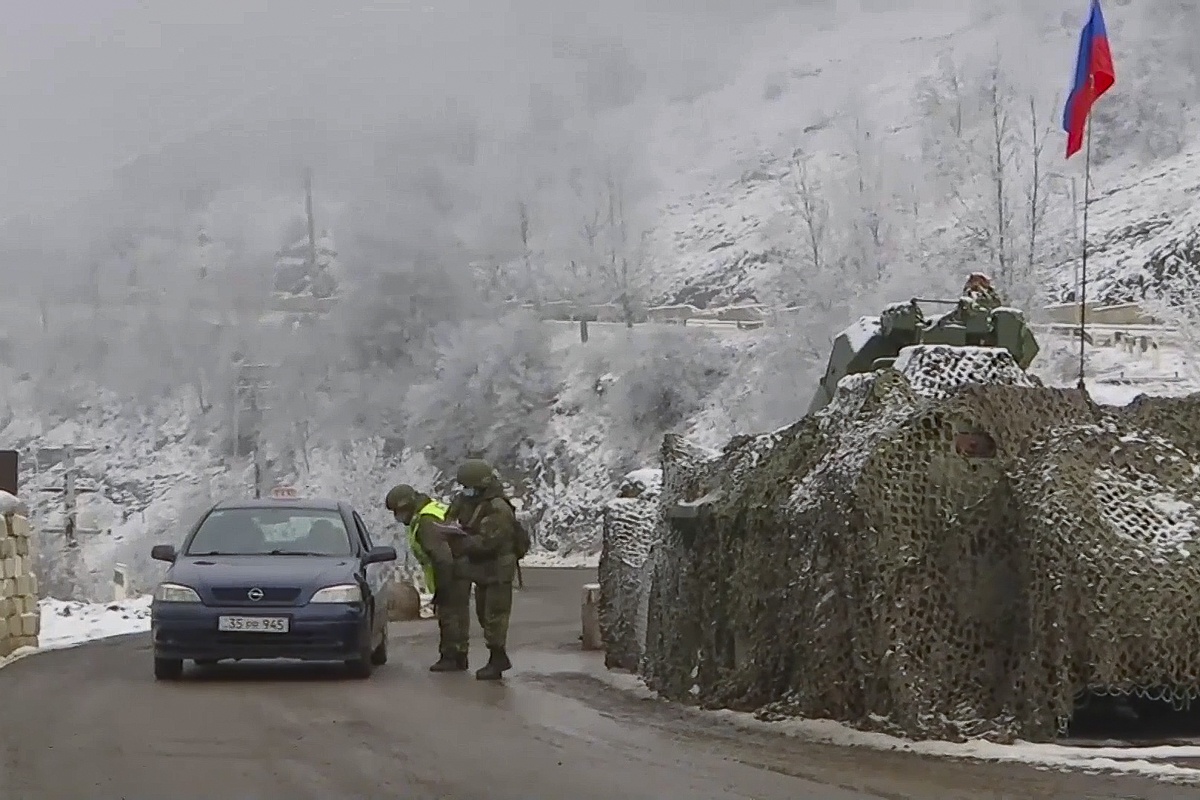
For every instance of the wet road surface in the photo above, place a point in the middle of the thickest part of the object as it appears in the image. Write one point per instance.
(92, 724)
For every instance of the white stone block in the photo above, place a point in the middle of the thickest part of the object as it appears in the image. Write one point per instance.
(20, 527)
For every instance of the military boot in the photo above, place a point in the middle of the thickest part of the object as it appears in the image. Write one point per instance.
(455, 662)
(494, 669)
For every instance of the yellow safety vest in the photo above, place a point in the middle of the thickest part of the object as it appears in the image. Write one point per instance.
(431, 509)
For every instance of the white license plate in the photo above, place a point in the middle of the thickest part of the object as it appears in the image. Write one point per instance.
(253, 624)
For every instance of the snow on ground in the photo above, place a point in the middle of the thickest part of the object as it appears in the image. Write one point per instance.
(70, 623)
(1155, 762)
(67, 623)
(1115, 377)
(574, 560)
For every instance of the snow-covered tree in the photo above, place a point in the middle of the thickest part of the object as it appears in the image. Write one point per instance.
(664, 378)
(491, 392)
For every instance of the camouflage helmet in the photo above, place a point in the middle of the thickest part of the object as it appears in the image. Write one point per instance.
(399, 497)
(475, 473)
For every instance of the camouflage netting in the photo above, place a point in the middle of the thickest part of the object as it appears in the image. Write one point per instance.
(948, 550)
(630, 528)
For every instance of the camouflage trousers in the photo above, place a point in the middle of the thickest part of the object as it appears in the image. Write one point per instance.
(493, 605)
(454, 617)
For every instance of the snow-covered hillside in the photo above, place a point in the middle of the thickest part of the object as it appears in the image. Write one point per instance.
(817, 128)
(154, 468)
(845, 160)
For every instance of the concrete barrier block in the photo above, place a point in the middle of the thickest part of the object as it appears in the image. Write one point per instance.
(20, 527)
(590, 617)
(13, 567)
(24, 641)
(120, 583)
(20, 617)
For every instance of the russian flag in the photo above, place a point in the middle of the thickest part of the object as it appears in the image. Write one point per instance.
(1094, 76)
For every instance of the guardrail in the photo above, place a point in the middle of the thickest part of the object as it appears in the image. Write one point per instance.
(1128, 337)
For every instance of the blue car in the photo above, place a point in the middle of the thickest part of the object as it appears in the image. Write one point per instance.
(273, 578)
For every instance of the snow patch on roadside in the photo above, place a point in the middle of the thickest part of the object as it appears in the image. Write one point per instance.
(69, 623)
(542, 558)
(1153, 762)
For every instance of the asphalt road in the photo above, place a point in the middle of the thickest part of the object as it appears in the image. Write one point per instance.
(92, 724)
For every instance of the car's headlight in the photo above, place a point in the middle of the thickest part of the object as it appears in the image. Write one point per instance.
(175, 593)
(347, 593)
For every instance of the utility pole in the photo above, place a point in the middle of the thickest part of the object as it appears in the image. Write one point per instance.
(252, 383)
(70, 490)
(312, 224)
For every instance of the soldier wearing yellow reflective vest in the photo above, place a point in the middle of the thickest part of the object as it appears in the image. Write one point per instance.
(434, 546)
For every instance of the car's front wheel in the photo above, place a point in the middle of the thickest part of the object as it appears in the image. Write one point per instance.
(360, 667)
(379, 656)
(364, 665)
(168, 669)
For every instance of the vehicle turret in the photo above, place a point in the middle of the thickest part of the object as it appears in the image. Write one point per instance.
(978, 318)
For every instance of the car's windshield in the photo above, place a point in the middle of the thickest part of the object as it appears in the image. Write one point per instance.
(271, 531)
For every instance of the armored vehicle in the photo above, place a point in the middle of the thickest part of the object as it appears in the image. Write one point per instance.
(978, 318)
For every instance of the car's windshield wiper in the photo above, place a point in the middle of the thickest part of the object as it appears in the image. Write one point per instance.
(268, 553)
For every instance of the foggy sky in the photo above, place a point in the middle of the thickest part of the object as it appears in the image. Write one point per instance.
(164, 95)
(94, 84)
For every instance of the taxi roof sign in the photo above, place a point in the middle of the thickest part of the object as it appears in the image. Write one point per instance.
(284, 493)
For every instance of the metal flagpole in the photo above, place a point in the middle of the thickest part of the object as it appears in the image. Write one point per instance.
(1087, 183)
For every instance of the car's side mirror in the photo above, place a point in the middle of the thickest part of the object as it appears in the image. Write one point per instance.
(379, 554)
(164, 552)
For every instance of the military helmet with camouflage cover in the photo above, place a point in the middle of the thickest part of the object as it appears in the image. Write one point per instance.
(475, 473)
(400, 496)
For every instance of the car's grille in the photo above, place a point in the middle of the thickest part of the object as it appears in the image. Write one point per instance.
(232, 645)
(240, 596)
(294, 640)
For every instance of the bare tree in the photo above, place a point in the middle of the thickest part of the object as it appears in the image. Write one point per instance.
(523, 230)
(998, 104)
(812, 208)
(1035, 194)
(612, 257)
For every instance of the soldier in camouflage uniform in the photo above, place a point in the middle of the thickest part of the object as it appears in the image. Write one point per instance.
(434, 546)
(491, 550)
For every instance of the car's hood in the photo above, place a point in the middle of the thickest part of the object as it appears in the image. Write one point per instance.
(262, 571)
